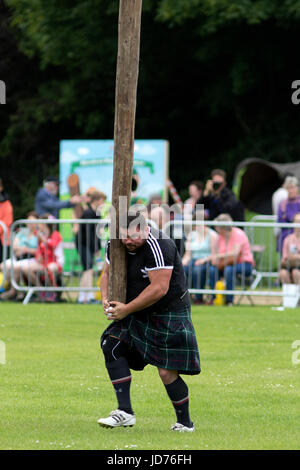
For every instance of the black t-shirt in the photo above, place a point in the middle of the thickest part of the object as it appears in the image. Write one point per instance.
(226, 202)
(87, 235)
(158, 252)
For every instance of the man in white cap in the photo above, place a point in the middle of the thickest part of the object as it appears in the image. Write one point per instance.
(47, 202)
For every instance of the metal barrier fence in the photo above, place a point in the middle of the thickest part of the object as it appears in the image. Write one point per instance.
(4, 254)
(72, 261)
(76, 261)
(263, 280)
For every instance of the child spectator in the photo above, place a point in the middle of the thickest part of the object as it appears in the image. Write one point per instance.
(24, 249)
(49, 258)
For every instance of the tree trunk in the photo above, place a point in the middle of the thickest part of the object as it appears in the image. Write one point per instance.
(125, 108)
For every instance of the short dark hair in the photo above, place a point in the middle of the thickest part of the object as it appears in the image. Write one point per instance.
(219, 172)
(133, 219)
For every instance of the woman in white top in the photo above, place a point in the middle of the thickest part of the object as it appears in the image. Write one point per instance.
(200, 248)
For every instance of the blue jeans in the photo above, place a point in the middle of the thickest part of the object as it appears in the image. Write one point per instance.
(197, 276)
(230, 273)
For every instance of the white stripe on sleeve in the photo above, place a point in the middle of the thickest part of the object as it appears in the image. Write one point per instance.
(157, 249)
(155, 253)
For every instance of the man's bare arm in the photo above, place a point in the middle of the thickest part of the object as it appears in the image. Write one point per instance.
(158, 287)
(104, 285)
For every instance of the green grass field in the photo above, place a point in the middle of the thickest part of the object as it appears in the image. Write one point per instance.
(54, 385)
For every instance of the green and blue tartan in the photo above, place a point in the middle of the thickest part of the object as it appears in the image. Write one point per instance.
(165, 339)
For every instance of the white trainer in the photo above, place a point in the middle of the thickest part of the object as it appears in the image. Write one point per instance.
(181, 428)
(116, 419)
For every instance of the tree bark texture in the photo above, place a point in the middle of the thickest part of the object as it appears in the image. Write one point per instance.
(125, 110)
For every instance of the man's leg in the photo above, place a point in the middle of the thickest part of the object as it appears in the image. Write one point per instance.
(86, 281)
(178, 393)
(296, 276)
(285, 277)
(118, 370)
(229, 275)
(30, 272)
(199, 278)
(52, 272)
(12, 292)
(213, 278)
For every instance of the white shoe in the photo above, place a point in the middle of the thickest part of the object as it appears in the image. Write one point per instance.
(181, 428)
(117, 418)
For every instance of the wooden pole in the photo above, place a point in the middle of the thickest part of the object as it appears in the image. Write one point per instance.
(125, 108)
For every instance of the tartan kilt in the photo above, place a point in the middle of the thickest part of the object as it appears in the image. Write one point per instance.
(166, 340)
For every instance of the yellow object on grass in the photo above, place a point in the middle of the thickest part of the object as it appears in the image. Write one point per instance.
(98, 294)
(4, 285)
(220, 298)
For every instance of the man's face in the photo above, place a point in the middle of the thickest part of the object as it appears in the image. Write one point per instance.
(52, 187)
(133, 239)
(218, 183)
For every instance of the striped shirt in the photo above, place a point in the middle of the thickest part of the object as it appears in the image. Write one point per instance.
(158, 252)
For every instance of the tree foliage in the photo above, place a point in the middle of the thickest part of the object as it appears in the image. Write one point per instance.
(215, 80)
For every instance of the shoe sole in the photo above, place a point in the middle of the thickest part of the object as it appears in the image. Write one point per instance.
(104, 425)
(183, 430)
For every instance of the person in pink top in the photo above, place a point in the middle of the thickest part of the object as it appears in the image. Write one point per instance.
(233, 256)
(290, 261)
